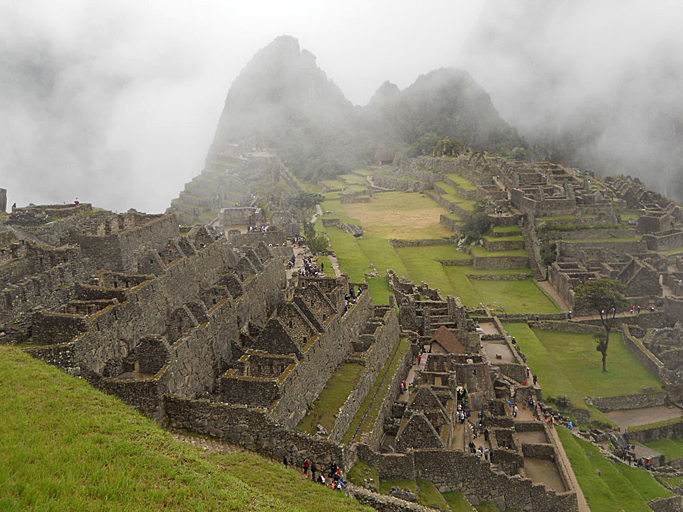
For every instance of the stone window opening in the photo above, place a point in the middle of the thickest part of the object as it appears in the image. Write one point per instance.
(214, 300)
(305, 339)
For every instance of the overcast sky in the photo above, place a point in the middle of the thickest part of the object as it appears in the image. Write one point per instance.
(116, 103)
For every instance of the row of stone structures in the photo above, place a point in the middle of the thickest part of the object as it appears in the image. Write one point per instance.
(210, 337)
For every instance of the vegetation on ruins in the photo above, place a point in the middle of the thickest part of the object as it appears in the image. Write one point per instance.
(67, 446)
(433, 145)
(475, 226)
(606, 298)
(548, 252)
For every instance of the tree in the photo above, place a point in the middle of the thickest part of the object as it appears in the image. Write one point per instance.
(606, 297)
(302, 204)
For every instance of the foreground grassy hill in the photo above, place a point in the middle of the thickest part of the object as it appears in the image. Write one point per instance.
(66, 446)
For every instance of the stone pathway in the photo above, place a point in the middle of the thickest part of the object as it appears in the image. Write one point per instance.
(548, 288)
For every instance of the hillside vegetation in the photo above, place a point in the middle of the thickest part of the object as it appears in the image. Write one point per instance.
(66, 446)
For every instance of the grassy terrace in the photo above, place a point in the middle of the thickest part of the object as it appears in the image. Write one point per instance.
(671, 448)
(511, 238)
(331, 398)
(481, 252)
(463, 183)
(568, 364)
(375, 397)
(67, 446)
(617, 487)
(507, 229)
(353, 179)
(387, 215)
(601, 240)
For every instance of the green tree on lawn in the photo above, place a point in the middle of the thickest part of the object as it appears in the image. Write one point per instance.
(606, 297)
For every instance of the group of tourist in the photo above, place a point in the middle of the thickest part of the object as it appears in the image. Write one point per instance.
(261, 228)
(351, 298)
(333, 480)
(298, 240)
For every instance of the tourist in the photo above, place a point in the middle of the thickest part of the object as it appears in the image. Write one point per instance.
(314, 469)
(486, 434)
(535, 379)
(305, 467)
(284, 460)
(570, 426)
(515, 410)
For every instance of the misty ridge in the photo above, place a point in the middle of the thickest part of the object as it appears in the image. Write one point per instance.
(591, 86)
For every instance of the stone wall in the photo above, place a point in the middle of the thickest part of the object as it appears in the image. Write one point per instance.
(458, 471)
(566, 326)
(662, 242)
(647, 358)
(575, 249)
(419, 243)
(649, 435)
(582, 234)
(503, 245)
(385, 340)
(251, 429)
(383, 502)
(626, 402)
(398, 183)
(670, 504)
(500, 262)
(121, 251)
(321, 356)
(448, 223)
(374, 437)
(270, 237)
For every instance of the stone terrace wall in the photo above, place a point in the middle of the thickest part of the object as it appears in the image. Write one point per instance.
(500, 262)
(663, 242)
(574, 249)
(419, 243)
(322, 355)
(121, 251)
(467, 473)
(647, 358)
(670, 504)
(251, 429)
(395, 183)
(374, 437)
(648, 435)
(626, 402)
(386, 339)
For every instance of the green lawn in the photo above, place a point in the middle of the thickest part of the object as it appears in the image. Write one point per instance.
(373, 402)
(518, 296)
(672, 448)
(361, 472)
(457, 502)
(429, 496)
(331, 398)
(614, 489)
(507, 229)
(463, 183)
(379, 290)
(399, 215)
(568, 364)
(481, 252)
(66, 446)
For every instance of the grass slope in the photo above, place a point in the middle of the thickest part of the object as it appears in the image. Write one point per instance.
(67, 446)
(612, 489)
(331, 398)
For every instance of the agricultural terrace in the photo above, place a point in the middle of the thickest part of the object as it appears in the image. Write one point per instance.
(568, 364)
(385, 216)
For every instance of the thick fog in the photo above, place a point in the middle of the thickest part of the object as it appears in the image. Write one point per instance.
(116, 103)
(598, 84)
